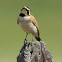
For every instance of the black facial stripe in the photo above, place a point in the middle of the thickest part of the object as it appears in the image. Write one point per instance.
(21, 14)
(28, 12)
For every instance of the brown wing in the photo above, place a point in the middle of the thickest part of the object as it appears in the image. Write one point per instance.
(33, 20)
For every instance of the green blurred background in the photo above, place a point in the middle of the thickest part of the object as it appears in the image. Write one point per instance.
(48, 14)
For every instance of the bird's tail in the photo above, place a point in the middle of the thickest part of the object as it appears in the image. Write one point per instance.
(38, 38)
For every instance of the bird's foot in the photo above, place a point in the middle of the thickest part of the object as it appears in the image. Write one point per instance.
(25, 41)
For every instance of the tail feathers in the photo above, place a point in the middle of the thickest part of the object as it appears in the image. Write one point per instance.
(38, 38)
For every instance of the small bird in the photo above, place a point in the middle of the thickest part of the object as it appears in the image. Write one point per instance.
(28, 23)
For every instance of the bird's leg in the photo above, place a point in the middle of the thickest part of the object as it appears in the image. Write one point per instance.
(26, 37)
(32, 38)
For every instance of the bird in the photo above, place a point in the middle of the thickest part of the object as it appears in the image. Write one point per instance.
(28, 23)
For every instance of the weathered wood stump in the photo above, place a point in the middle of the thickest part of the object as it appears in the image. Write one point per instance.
(34, 52)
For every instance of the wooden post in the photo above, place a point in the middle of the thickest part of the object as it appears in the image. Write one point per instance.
(34, 52)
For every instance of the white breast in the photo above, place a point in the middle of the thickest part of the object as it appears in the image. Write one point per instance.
(28, 27)
(26, 18)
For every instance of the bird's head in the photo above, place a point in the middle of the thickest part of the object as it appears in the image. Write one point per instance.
(25, 11)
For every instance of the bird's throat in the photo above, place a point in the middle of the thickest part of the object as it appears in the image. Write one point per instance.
(21, 14)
